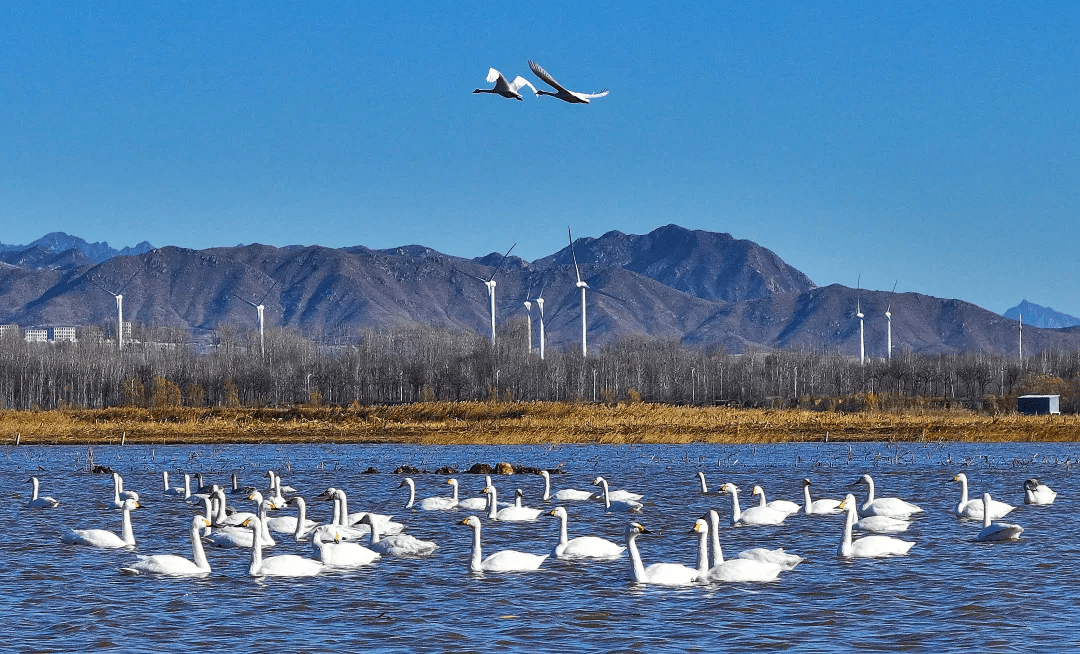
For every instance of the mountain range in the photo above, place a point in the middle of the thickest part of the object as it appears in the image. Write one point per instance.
(1040, 316)
(706, 288)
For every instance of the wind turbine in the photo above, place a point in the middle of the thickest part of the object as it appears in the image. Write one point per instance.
(259, 308)
(1021, 337)
(859, 315)
(888, 315)
(119, 295)
(582, 285)
(490, 283)
(539, 299)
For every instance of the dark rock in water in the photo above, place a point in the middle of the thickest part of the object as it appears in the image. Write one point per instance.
(481, 469)
(447, 470)
(408, 470)
(504, 468)
(101, 470)
(371, 471)
(526, 470)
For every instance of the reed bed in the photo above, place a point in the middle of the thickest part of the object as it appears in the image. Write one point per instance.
(518, 423)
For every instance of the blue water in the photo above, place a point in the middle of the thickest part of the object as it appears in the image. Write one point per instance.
(950, 593)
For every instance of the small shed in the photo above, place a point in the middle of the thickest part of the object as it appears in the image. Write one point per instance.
(1035, 405)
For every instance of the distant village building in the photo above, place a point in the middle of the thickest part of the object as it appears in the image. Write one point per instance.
(1038, 405)
(10, 331)
(127, 330)
(63, 335)
(36, 335)
(91, 334)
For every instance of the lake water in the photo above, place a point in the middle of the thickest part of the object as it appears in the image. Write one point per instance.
(950, 593)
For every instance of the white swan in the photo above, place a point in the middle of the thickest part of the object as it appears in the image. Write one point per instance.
(776, 556)
(876, 524)
(755, 515)
(340, 554)
(974, 508)
(564, 494)
(786, 506)
(663, 574)
(240, 535)
(303, 527)
(118, 481)
(221, 516)
(868, 546)
(290, 524)
(502, 561)
(892, 507)
(343, 518)
(626, 505)
(41, 502)
(183, 491)
(172, 564)
(701, 480)
(275, 483)
(441, 503)
(504, 88)
(616, 495)
(732, 569)
(510, 513)
(582, 547)
(398, 544)
(996, 531)
(1036, 493)
(286, 565)
(818, 507)
(561, 92)
(476, 503)
(103, 538)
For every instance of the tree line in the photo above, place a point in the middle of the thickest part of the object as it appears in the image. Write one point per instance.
(424, 363)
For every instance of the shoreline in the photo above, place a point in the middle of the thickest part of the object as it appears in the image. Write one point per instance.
(518, 423)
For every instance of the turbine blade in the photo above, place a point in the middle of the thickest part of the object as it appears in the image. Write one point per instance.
(572, 254)
(242, 299)
(501, 262)
(267, 294)
(469, 274)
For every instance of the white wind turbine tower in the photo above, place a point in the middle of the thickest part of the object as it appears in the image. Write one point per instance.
(528, 324)
(539, 299)
(119, 295)
(859, 315)
(1021, 337)
(490, 283)
(888, 315)
(260, 308)
(582, 285)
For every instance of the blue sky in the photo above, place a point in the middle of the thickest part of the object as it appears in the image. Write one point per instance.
(933, 143)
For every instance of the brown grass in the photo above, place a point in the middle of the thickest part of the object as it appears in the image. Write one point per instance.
(518, 423)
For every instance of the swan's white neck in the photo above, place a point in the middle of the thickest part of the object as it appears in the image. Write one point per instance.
(336, 520)
(165, 480)
(714, 532)
(301, 518)
(221, 514)
(637, 568)
(963, 492)
(607, 496)
(845, 544)
(35, 480)
(412, 494)
(344, 517)
(704, 486)
(762, 496)
(870, 489)
(127, 533)
(116, 489)
(547, 485)
(517, 501)
(453, 483)
(493, 505)
(703, 554)
(197, 552)
(477, 557)
(564, 537)
(806, 498)
(187, 485)
(986, 510)
(256, 545)
(736, 513)
(374, 531)
(265, 529)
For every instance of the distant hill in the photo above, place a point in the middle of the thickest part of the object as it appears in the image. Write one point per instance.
(58, 242)
(1040, 316)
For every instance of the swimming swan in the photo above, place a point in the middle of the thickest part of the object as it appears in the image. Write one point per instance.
(1036, 493)
(286, 565)
(892, 507)
(582, 547)
(183, 491)
(41, 502)
(997, 531)
(755, 515)
(617, 495)
(398, 544)
(868, 546)
(565, 494)
(974, 508)
(776, 556)
(172, 564)
(876, 524)
(439, 503)
(510, 513)
(241, 535)
(502, 561)
(287, 524)
(663, 574)
(101, 537)
(786, 506)
(732, 569)
(626, 504)
(818, 507)
(341, 554)
(303, 527)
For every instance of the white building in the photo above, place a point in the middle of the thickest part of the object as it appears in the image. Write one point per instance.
(63, 334)
(7, 331)
(36, 335)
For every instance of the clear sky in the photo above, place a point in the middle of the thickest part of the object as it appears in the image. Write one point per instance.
(934, 143)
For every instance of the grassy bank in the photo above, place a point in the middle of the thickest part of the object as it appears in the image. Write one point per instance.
(517, 423)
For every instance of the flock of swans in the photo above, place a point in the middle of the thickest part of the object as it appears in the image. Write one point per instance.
(512, 89)
(362, 538)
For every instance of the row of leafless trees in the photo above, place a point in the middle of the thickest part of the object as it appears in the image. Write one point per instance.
(420, 363)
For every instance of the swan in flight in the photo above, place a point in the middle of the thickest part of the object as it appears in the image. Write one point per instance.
(786, 506)
(501, 561)
(996, 531)
(732, 569)
(818, 507)
(101, 537)
(892, 507)
(663, 574)
(565, 494)
(397, 544)
(504, 88)
(868, 546)
(582, 547)
(775, 556)
(974, 508)
(755, 515)
(1036, 493)
(511, 513)
(625, 503)
(285, 565)
(562, 92)
(41, 502)
(876, 524)
(172, 564)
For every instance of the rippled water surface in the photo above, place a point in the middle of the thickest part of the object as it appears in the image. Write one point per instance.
(950, 593)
